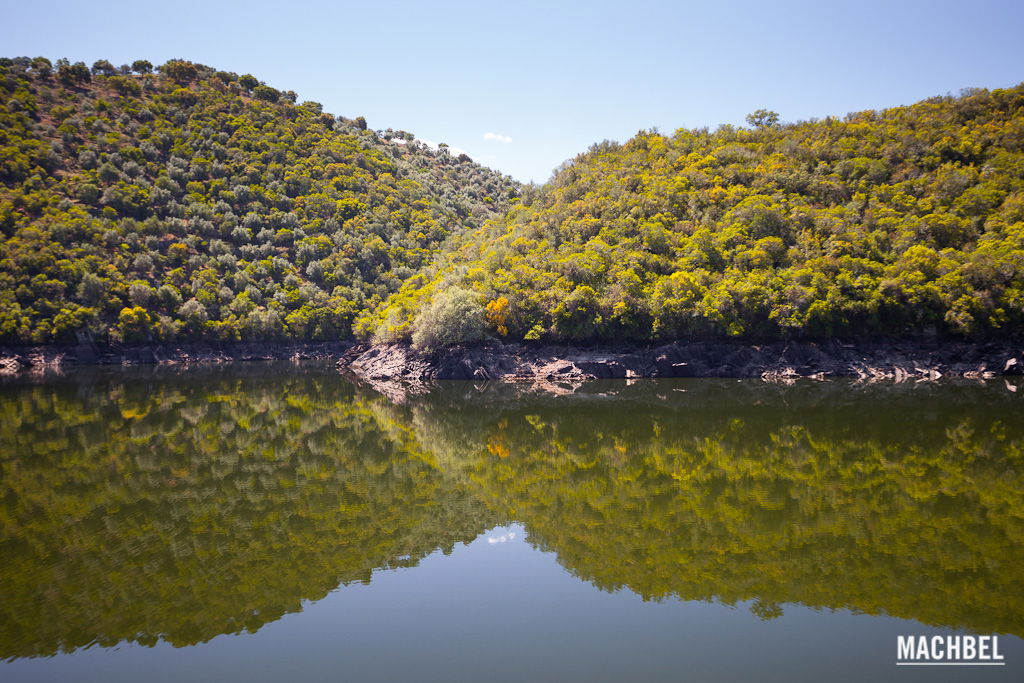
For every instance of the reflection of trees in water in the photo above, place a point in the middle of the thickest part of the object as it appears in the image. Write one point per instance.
(198, 505)
(903, 500)
(189, 505)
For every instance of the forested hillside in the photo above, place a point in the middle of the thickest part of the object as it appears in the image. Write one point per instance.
(181, 202)
(895, 223)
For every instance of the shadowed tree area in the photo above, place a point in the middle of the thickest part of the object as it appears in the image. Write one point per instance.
(193, 203)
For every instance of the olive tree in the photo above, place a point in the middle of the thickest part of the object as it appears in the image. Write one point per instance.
(763, 118)
(102, 67)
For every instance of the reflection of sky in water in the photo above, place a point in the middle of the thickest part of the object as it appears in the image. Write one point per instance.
(504, 538)
(458, 618)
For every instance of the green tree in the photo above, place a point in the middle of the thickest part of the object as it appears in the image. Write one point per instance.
(179, 70)
(266, 93)
(763, 118)
(103, 68)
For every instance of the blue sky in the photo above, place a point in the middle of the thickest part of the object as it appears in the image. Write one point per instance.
(548, 79)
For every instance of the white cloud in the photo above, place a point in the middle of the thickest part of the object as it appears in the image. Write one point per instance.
(497, 136)
(504, 538)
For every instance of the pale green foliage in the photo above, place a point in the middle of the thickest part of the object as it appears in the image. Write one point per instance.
(453, 316)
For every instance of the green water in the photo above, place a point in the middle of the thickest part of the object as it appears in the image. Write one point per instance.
(271, 521)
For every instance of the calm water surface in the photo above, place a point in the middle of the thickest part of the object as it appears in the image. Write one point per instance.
(279, 522)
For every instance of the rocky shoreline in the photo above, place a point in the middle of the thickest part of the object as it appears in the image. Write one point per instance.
(780, 361)
(493, 360)
(14, 360)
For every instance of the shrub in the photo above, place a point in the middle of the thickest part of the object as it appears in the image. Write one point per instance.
(453, 316)
(264, 92)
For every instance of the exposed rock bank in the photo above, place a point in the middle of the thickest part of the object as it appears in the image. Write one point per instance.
(50, 358)
(775, 361)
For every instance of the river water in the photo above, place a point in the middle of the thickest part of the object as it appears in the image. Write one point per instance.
(280, 522)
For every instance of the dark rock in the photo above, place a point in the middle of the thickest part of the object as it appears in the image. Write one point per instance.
(602, 369)
(88, 353)
(782, 361)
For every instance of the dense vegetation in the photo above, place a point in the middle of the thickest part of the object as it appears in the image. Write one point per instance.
(903, 222)
(192, 203)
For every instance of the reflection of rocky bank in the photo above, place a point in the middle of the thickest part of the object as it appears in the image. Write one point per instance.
(50, 359)
(780, 360)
